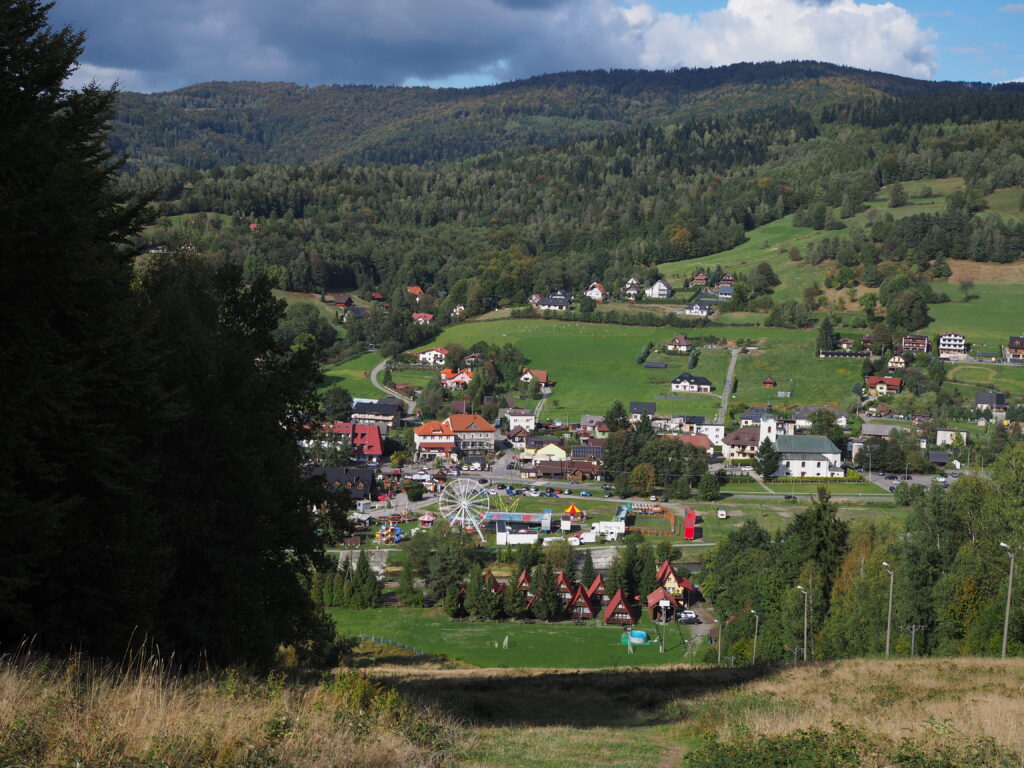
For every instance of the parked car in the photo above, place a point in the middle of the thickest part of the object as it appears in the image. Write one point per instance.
(607, 487)
(892, 489)
(586, 493)
(483, 481)
(653, 497)
(608, 494)
(789, 497)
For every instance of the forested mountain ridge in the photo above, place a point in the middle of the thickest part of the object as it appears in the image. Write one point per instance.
(211, 124)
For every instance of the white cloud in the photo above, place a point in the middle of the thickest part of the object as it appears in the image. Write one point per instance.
(1012, 8)
(152, 44)
(880, 37)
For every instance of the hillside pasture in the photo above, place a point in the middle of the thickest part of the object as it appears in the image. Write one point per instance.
(354, 375)
(593, 365)
(995, 311)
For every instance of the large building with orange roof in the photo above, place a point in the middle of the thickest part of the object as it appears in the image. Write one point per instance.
(460, 433)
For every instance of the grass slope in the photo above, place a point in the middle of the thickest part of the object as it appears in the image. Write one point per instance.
(542, 646)
(354, 375)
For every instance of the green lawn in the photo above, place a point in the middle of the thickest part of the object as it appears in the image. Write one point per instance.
(354, 375)
(546, 646)
(992, 317)
(970, 378)
(789, 357)
(1006, 202)
(594, 365)
(325, 309)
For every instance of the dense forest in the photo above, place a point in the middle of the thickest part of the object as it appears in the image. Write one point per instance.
(151, 493)
(212, 124)
(493, 229)
(949, 575)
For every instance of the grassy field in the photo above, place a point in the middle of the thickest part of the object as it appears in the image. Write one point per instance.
(354, 375)
(995, 312)
(970, 378)
(543, 646)
(592, 365)
(656, 717)
(789, 357)
(292, 297)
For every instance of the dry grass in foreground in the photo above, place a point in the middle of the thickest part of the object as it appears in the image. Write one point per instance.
(897, 699)
(74, 713)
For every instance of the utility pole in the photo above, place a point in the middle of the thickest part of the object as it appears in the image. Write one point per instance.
(757, 624)
(806, 598)
(1009, 593)
(721, 628)
(913, 629)
(888, 621)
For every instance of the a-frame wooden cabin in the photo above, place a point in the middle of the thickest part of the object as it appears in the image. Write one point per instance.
(563, 588)
(619, 612)
(524, 585)
(580, 606)
(596, 592)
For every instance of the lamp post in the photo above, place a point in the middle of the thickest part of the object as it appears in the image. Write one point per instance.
(807, 596)
(888, 621)
(720, 628)
(757, 624)
(1009, 593)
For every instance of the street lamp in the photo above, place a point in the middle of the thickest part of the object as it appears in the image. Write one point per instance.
(807, 596)
(888, 621)
(720, 628)
(1009, 593)
(757, 624)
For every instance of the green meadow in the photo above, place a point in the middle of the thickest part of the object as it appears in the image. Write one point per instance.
(354, 375)
(971, 377)
(994, 313)
(482, 644)
(593, 365)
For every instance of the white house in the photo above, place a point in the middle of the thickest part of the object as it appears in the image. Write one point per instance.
(553, 303)
(949, 436)
(597, 292)
(952, 345)
(699, 309)
(660, 290)
(679, 343)
(715, 432)
(687, 382)
(422, 318)
(451, 379)
(803, 415)
(631, 288)
(807, 456)
(520, 417)
(435, 356)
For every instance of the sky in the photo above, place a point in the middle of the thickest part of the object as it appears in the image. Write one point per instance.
(159, 45)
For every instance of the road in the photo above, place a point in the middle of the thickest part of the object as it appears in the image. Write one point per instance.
(389, 392)
(727, 389)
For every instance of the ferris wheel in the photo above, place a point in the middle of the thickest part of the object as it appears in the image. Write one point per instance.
(464, 502)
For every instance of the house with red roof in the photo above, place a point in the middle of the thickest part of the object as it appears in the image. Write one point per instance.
(700, 441)
(377, 296)
(879, 386)
(422, 318)
(343, 301)
(366, 439)
(531, 374)
(452, 379)
(699, 280)
(596, 291)
(579, 606)
(434, 439)
(416, 291)
(563, 588)
(662, 606)
(618, 611)
(524, 585)
(596, 592)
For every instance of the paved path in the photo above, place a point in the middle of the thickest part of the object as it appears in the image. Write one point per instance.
(389, 392)
(727, 389)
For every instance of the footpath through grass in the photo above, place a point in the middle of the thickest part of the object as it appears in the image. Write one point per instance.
(559, 645)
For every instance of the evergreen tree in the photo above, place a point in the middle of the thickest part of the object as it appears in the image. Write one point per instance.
(827, 337)
(316, 588)
(365, 587)
(514, 605)
(452, 601)
(766, 459)
(546, 606)
(329, 597)
(616, 419)
(588, 573)
(472, 601)
(407, 592)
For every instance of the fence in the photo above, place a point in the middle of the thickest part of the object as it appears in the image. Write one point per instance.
(382, 641)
